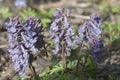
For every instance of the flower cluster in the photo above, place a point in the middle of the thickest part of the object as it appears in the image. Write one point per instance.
(16, 49)
(26, 38)
(90, 33)
(23, 38)
(61, 32)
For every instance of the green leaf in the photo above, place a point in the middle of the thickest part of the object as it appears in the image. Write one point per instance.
(118, 26)
(16, 78)
(23, 15)
(104, 7)
(50, 13)
(45, 22)
(116, 9)
(56, 68)
(45, 72)
(34, 64)
(26, 13)
(43, 13)
(71, 64)
(4, 12)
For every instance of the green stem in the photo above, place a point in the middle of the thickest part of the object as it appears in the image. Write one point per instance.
(48, 60)
(33, 72)
(78, 61)
(63, 57)
(86, 57)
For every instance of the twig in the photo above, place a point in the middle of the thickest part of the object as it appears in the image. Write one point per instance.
(3, 46)
(76, 21)
(82, 5)
(80, 16)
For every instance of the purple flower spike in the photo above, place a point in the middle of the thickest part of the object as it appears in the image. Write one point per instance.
(90, 32)
(62, 32)
(23, 38)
